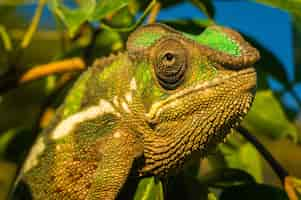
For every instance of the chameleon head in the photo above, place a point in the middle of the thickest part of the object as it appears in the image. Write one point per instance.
(194, 88)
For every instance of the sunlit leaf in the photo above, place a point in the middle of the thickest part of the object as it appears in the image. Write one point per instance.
(149, 189)
(226, 177)
(253, 191)
(73, 18)
(267, 117)
(242, 156)
(105, 8)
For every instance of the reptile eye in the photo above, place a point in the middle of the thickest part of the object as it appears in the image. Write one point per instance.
(170, 64)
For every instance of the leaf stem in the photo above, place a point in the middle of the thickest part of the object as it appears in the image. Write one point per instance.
(5, 38)
(154, 13)
(34, 24)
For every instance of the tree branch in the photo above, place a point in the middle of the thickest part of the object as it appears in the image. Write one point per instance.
(286, 180)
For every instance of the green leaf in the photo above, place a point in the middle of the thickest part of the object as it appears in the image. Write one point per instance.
(226, 177)
(105, 8)
(149, 188)
(253, 191)
(73, 18)
(267, 117)
(242, 156)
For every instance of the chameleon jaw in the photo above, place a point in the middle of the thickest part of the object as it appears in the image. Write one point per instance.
(248, 86)
(194, 121)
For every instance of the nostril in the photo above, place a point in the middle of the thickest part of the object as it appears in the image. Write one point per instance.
(152, 125)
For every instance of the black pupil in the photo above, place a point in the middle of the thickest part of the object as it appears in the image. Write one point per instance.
(169, 56)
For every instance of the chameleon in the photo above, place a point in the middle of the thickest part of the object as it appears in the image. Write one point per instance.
(169, 98)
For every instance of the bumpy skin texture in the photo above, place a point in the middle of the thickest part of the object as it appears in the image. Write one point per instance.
(169, 98)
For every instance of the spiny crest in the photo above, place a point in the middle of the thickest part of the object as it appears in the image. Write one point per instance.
(105, 61)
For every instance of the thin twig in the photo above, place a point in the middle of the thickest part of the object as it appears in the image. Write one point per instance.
(5, 38)
(40, 71)
(13, 80)
(154, 13)
(34, 24)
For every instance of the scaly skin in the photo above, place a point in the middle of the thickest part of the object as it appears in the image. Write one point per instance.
(169, 98)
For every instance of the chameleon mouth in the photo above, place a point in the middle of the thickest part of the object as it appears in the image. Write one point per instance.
(246, 77)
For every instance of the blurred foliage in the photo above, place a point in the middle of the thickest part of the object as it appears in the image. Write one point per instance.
(94, 28)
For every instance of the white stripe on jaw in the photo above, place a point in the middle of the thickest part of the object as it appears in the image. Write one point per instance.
(66, 126)
(128, 97)
(133, 84)
(115, 101)
(33, 157)
(125, 107)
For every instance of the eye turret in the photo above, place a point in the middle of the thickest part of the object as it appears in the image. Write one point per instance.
(170, 63)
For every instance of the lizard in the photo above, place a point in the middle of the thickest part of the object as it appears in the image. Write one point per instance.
(170, 97)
